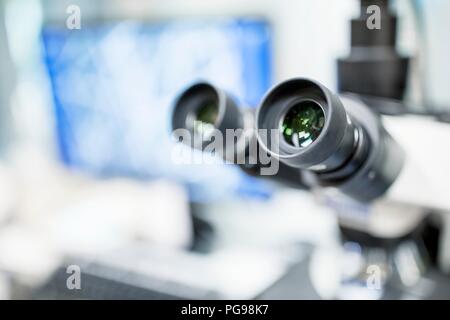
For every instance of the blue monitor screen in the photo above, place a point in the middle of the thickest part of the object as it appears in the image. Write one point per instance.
(114, 85)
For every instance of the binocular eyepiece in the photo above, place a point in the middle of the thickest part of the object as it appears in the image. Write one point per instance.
(337, 141)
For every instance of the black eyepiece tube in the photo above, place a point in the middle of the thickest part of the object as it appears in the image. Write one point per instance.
(203, 110)
(203, 107)
(339, 140)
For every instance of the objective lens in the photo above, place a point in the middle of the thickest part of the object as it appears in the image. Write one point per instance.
(205, 118)
(303, 124)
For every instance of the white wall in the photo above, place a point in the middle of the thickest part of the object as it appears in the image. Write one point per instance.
(309, 34)
(6, 83)
(437, 21)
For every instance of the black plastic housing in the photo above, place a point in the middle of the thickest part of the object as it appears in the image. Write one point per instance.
(374, 67)
(353, 153)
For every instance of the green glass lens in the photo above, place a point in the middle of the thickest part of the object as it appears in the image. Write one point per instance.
(303, 124)
(205, 118)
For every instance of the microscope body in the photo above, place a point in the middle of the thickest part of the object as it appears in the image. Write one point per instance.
(372, 170)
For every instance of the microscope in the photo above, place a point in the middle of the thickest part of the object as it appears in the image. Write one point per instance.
(356, 153)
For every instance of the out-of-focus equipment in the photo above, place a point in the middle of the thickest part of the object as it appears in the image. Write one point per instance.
(202, 109)
(113, 120)
(339, 140)
(374, 67)
(117, 131)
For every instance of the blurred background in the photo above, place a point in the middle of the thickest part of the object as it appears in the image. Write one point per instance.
(86, 176)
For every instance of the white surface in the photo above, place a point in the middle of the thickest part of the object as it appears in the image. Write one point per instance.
(53, 213)
(234, 274)
(110, 214)
(425, 179)
(290, 217)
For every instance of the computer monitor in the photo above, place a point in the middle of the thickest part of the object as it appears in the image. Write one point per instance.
(114, 84)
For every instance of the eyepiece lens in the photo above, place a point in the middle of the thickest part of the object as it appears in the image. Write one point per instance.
(303, 124)
(205, 117)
